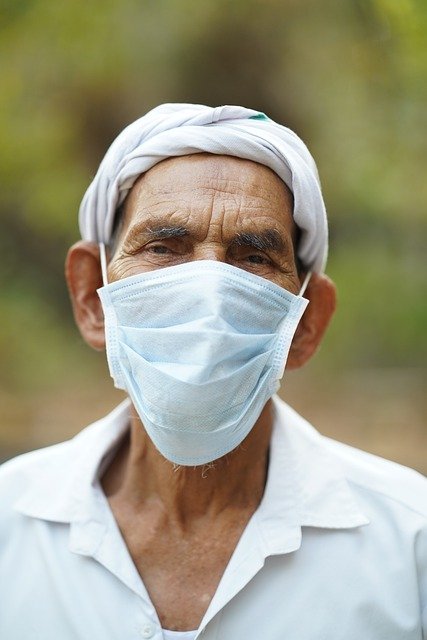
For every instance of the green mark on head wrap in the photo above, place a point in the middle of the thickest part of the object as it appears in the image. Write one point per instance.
(259, 116)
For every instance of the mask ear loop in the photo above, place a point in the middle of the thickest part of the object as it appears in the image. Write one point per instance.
(103, 257)
(305, 283)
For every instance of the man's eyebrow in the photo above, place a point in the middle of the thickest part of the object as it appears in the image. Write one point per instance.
(268, 240)
(162, 232)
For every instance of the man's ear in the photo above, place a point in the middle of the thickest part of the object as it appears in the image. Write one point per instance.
(321, 293)
(83, 275)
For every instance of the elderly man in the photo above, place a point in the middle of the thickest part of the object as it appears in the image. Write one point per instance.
(203, 506)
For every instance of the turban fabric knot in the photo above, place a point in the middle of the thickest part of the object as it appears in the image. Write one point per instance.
(172, 130)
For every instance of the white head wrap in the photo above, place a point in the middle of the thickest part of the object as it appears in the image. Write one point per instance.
(172, 130)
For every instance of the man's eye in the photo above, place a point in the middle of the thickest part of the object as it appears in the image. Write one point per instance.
(257, 259)
(159, 249)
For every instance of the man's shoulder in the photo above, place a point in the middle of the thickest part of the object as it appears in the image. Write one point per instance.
(378, 482)
(19, 474)
(49, 470)
(380, 477)
(51, 457)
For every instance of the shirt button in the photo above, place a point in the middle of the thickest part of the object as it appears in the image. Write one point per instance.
(147, 631)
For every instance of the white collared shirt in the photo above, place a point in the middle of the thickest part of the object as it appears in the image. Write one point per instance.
(336, 550)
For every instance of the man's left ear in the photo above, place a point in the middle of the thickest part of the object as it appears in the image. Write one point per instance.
(321, 293)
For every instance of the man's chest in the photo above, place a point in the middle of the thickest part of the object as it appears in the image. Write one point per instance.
(88, 602)
(181, 573)
(328, 589)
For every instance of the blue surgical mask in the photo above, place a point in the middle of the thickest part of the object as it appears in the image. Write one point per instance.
(200, 348)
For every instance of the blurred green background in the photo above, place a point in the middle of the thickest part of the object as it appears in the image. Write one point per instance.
(350, 76)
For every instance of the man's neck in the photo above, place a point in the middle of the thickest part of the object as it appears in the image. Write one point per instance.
(140, 476)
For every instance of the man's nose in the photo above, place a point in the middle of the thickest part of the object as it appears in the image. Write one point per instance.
(210, 251)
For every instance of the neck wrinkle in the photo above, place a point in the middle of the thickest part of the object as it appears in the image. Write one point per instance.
(141, 477)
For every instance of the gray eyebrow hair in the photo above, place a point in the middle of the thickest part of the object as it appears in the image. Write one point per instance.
(268, 240)
(264, 241)
(161, 232)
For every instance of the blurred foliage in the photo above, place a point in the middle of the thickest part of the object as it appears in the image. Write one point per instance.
(348, 75)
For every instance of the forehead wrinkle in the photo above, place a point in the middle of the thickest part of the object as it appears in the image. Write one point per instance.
(255, 178)
(158, 204)
(256, 183)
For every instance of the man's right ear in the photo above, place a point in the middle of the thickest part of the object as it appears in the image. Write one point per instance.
(83, 275)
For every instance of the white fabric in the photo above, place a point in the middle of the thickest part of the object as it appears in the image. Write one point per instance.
(172, 130)
(336, 550)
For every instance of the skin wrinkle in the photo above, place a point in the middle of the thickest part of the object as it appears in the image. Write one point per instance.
(212, 189)
(228, 213)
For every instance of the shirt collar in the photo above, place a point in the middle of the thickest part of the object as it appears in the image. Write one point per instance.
(62, 487)
(305, 487)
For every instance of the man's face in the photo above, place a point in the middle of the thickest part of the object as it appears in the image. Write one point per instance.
(203, 207)
(206, 207)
